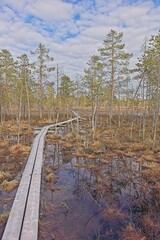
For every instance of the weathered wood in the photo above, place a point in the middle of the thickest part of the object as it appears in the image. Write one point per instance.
(14, 223)
(30, 224)
(22, 223)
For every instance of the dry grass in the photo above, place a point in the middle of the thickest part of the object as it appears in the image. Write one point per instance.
(48, 170)
(70, 137)
(4, 143)
(8, 186)
(150, 224)
(130, 154)
(76, 165)
(55, 188)
(103, 161)
(139, 160)
(149, 158)
(45, 224)
(138, 147)
(6, 200)
(96, 147)
(78, 154)
(112, 143)
(130, 233)
(4, 175)
(51, 178)
(4, 217)
(90, 157)
(4, 147)
(110, 155)
(120, 153)
(20, 149)
(114, 212)
(152, 174)
(67, 145)
(3, 152)
(108, 133)
(92, 167)
(53, 138)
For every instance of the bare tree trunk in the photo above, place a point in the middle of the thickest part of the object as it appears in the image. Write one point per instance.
(40, 93)
(156, 109)
(93, 120)
(19, 116)
(28, 104)
(112, 88)
(144, 99)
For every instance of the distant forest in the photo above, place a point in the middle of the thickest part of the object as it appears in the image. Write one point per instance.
(28, 89)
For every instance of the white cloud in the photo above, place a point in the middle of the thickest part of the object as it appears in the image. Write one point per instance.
(73, 32)
(50, 10)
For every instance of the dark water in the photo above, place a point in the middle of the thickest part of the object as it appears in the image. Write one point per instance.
(90, 198)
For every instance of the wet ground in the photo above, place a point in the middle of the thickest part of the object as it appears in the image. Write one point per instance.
(89, 197)
(12, 162)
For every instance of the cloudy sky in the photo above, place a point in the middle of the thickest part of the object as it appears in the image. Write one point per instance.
(74, 29)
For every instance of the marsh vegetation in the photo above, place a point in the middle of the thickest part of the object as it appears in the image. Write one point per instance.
(106, 188)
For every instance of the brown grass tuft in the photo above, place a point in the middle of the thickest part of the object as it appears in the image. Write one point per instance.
(114, 212)
(149, 158)
(138, 147)
(6, 200)
(90, 156)
(51, 178)
(96, 146)
(55, 188)
(4, 143)
(8, 186)
(78, 154)
(67, 145)
(150, 224)
(103, 161)
(130, 233)
(53, 137)
(78, 165)
(48, 170)
(70, 136)
(4, 175)
(110, 155)
(4, 217)
(16, 149)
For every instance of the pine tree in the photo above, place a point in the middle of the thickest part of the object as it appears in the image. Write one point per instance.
(94, 84)
(115, 59)
(148, 69)
(8, 73)
(25, 85)
(66, 90)
(42, 69)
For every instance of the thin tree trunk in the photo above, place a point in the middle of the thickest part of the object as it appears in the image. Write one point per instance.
(40, 94)
(112, 87)
(19, 116)
(156, 109)
(28, 104)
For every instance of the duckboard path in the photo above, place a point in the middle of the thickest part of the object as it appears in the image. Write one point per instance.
(23, 220)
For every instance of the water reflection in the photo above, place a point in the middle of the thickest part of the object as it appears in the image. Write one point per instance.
(92, 198)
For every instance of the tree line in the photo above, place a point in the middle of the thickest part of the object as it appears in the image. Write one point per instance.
(39, 87)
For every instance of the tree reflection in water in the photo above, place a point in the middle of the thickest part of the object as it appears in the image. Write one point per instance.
(96, 198)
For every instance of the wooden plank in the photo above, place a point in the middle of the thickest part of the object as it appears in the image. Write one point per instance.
(22, 223)
(13, 227)
(30, 224)
(31, 218)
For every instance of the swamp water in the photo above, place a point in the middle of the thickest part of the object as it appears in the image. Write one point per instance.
(88, 198)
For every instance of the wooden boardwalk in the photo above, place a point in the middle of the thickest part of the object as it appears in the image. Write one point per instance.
(23, 220)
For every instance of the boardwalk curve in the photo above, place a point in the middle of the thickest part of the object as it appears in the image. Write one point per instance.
(23, 220)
